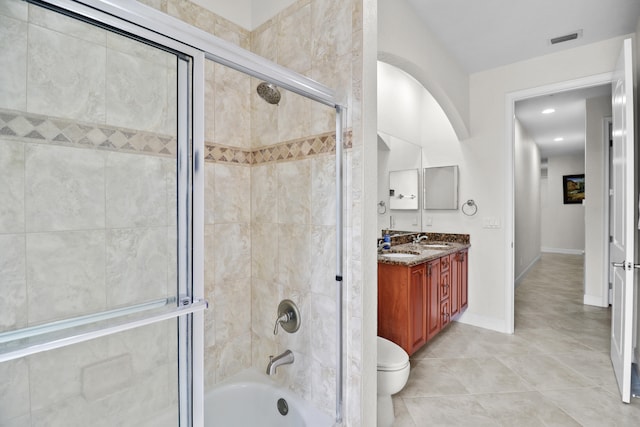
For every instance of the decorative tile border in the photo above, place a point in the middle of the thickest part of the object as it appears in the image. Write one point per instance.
(224, 154)
(294, 150)
(285, 151)
(47, 130)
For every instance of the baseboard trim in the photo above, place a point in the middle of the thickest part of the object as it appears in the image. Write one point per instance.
(562, 251)
(484, 322)
(525, 271)
(594, 300)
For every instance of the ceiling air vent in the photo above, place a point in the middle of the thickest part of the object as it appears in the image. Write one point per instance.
(566, 37)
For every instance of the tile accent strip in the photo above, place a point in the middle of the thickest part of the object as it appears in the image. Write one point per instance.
(47, 130)
(291, 150)
(224, 154)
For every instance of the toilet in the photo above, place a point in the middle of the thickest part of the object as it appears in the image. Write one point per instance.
(393, 373)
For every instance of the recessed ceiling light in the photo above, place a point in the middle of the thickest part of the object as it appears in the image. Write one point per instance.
(558, 139)
(548, 110)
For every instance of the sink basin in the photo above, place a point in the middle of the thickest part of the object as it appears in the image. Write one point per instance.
(398, 255)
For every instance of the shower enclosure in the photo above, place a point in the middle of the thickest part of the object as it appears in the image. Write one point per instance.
(111, 131)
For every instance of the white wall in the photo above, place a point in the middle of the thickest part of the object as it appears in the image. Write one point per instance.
(562, 229)
(400, 109)
(484, 153)
(527, 202)
(441, 147)
(400, 113)
(488, 147)
(404, 41)
(596, 195)
(237, 11)
(249, 14)
(408, 112)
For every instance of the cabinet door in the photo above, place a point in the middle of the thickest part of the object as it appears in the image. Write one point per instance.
(445, 315)
(463, 277)
(433, 298)
(393, 308)
(454, 295)
(445, 284)
(417, 307)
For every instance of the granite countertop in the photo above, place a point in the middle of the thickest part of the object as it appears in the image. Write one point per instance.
(418, 253)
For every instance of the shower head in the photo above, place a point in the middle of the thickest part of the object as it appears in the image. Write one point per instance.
(269, 92)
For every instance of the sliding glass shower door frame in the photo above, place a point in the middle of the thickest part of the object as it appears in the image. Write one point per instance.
(187, 304)
(146, 23)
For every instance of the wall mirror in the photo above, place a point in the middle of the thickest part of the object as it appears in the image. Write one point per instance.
(397, 154)
(403, 189)
(441, 188)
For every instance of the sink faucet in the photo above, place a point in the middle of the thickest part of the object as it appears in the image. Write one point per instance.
(285, 358)
(383, 245)
(420, 239)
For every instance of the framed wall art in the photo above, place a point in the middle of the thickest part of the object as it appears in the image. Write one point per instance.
(573, 189)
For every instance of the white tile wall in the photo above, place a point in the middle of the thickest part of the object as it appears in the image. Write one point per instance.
(270, 227)
(64, 188)
(13, 283)
(65, 274)
(136, 191)
(11, 186)
(67, 72)
(135, 265)
(13, 42)
(84, 229)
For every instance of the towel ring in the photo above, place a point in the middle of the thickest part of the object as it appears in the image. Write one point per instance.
(469, 208)
(382, 207)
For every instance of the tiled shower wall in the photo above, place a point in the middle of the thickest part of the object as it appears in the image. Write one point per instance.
(87, 215)
(270, 183)
(270, 198)
(293, 202)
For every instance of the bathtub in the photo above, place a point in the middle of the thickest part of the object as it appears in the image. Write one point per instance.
(253, 399)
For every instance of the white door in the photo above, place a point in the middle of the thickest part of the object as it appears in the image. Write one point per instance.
(623, 231)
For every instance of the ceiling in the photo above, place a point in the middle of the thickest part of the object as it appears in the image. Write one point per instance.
(567, 122)
(484, 34)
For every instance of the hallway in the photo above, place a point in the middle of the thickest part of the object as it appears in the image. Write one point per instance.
(555, 370)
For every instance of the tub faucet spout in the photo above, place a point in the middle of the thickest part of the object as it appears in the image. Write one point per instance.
(285, 358)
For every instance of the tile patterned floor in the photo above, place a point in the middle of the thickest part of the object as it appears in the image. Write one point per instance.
(554, 371)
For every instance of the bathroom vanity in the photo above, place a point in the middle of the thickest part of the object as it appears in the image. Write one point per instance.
(421, 287)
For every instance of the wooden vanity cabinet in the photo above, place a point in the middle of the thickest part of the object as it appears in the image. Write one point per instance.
(402, 305)
(415, 303)
(454, 292)
(459, 273)
(445, 290)
(433, 298)
(417, 307)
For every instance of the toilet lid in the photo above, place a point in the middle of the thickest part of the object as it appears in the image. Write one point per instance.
(391, 356)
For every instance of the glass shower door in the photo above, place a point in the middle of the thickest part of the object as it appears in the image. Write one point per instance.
(95, 224)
